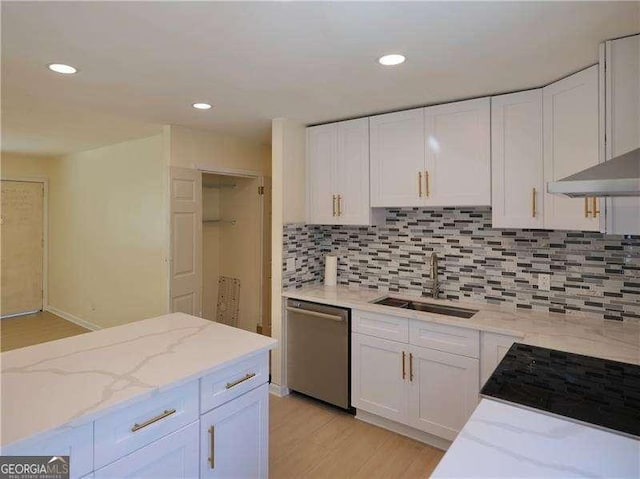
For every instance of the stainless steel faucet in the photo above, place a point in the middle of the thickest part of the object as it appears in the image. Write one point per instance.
(435, 286)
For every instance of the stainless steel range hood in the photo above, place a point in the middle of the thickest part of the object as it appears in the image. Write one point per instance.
(619, 176)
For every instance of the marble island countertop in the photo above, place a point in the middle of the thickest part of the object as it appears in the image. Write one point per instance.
(71, 381)
(580, 334)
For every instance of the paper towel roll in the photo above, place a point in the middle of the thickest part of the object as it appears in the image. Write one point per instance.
(330, 270)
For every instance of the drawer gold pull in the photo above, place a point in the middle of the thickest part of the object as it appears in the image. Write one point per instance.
(339, 205)
(426, 183)
(404, 374)
(410, 367)
(241, 380)
(533, 203)
(334, 205)
(166, 413)
(212, 447)
(420, 184)
(596, 211)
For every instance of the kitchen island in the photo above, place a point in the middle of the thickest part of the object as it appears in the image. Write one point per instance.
(159, 397)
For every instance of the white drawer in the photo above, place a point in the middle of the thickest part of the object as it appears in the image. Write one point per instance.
(228, 383)
(382, 326)
(77, 443)
(137, 425)
(450, 339)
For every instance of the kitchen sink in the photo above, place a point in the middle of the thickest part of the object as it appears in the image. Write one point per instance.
(428, 307)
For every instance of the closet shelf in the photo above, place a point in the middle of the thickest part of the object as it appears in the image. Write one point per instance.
(231, 222)
(219, 185)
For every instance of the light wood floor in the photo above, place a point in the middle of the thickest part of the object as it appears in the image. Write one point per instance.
(36, 328)
(310, 440)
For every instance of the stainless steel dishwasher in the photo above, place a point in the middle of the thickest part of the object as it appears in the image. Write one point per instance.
(318, 351)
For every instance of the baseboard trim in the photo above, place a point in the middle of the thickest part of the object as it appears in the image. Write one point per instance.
(404, 430)
(277, 390)
(72, 318)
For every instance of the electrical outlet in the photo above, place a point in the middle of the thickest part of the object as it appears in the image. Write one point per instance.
(291, 265)
(544, 282)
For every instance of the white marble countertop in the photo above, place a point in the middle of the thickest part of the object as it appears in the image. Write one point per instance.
(501, 440)
(74, 380)
(579, 333)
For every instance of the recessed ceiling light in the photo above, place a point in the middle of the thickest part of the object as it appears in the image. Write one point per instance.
(393, 59)
(201, 106)
(62, 68)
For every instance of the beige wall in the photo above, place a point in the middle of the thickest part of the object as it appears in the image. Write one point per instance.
(192, 148)
(288, 177)
(24, 166)
(108, 233)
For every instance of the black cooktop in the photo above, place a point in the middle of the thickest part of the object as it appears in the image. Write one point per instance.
(596, 391)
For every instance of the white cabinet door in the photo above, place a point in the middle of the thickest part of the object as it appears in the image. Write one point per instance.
(173, 456)
(458, 153)
(493, 347)
(517, 182)
(379, 376)
(322, 154)
(352, 172)
(622, 100)
(444, 391)
(234, 438)
(397, 158)
(571, 144)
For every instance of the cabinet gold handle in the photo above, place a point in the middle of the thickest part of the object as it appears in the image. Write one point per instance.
(241, 380)
(426, 183)
(148, 422)
(533, 203)
(339, 205)
(212, 447)
(420, 184)
(596, 211)
(404, 373)
(333, 204)
(410, 367)
(586, 207)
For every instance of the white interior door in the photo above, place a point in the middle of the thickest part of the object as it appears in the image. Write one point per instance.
(21, 255)
(186, 241)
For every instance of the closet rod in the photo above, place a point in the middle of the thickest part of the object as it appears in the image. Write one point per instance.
(220, 185)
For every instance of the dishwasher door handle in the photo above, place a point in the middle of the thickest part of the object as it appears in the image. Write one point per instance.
(332, 317)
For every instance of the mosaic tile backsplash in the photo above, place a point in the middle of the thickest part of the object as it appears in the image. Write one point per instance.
(590, 272)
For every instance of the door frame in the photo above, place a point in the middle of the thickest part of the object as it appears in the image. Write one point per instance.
(253, 174)
(45, 233)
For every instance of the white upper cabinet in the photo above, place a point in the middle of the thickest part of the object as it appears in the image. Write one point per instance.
(322, 155)
(338, 173)
(352, 177)
(622, 119)
(435, 156)
(571, 144)
(517, 165)
(397, 158)
(458, 154)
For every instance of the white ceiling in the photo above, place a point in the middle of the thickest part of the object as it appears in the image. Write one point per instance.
(143, 63)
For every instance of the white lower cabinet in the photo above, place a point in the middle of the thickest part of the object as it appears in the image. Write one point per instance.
(443, 391)
(173, 456)
(234, 438)
(430, 390)
(379, 372)
(493, 348)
